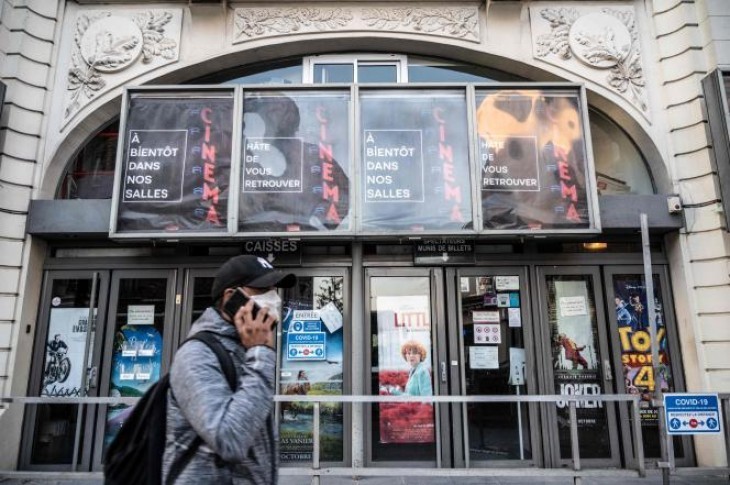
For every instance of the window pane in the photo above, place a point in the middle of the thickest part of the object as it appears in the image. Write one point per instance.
(433, 74)
(494, 348)
(620, 168)
(576, 362)
(402, 359)
(137, 353)
(63, 369)
(531, 151)
(376, 74)
(296, 153)
(333, 73)
(91, 173)
(415, 161)
(311, 363)
(281, 75)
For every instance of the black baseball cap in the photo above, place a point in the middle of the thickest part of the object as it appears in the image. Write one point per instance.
(249, 270)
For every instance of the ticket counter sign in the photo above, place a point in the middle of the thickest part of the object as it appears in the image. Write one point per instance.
(693, 413)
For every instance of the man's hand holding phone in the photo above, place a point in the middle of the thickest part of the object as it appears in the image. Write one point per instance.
(256, 330)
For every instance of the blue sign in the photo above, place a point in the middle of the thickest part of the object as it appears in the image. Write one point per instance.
(692, 413)
(306, 346)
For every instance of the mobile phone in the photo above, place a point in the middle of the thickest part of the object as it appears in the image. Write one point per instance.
(236, 301)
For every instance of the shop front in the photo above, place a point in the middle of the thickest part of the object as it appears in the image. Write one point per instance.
(456, 230)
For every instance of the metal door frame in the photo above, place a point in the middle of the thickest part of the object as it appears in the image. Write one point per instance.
(458, 373)
(542, 342)
(439, 358)
(41, 336)
(670, 324)
(170, 274)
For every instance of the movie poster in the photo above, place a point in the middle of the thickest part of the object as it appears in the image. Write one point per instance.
(532, 159)
(311, 364)
(63, 369)
(295, 162)
(404, 363)
(136, 365)
(415, 161)
(175, 167)
(632, 317)
(576, 363)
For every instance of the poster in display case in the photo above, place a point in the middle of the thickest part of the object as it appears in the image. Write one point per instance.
(174, 173)
(295, 162)
(415, 161)
(534, 167)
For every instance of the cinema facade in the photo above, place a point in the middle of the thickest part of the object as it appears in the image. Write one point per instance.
(461, 178)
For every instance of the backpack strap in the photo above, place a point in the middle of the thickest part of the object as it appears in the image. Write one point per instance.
(224, 358)
(226, 362)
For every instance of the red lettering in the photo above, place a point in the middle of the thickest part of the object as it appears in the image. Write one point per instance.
(569, 191)
(456, 214)
(573, 214)
(564, 170)
(446, 153)
(448, 173)
(209, 173)
(205, 115)
(332, 214)
(211, 193)
(330, 193)
(212, 216)
(452, 192)
(437, 115)
(327, 172)
(325, 152)
(208, 152)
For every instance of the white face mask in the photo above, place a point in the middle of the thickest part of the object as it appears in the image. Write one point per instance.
(271, 301)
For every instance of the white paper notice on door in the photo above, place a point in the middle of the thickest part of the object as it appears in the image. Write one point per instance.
(484, 357)
(487, 333)
(141, 315)
(485, 317)
(514, 317)
(503, 283)
(573, 306)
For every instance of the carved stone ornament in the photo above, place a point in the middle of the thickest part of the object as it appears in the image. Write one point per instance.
(457, 22)
(104, 44)
(605, 40)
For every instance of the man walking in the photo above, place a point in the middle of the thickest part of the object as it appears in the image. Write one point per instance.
(236, 426)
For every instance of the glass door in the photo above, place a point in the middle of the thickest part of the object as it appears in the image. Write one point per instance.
(137, 342)
(407, 356)
(630, 338)
(490, 334)
(70, 342)
(576, 362)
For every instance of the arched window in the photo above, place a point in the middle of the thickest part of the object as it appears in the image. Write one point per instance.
(620, 167)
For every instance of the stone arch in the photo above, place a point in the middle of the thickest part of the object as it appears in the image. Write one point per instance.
(107, 106)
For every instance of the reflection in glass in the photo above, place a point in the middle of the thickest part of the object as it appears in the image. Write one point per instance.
(576, 363)
(532, 160)
(494, 350)
(402, 364)
(90, 174)
(333, 73)
(620, 168)
(311, 364)
(137, 351)
(415, 163)
(632, 317)
(295, 162)
(372, 73)
(63, 370)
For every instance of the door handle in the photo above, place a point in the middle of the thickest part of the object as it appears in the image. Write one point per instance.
(444, 377)
(607, 370)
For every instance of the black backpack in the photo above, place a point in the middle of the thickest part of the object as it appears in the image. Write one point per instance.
(135, 455)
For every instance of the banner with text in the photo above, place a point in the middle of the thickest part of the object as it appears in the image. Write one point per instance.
(415, 161)
(175, 166)
(296, 151)
(532, 160)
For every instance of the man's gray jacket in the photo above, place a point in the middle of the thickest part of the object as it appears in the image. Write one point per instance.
(239, 439)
